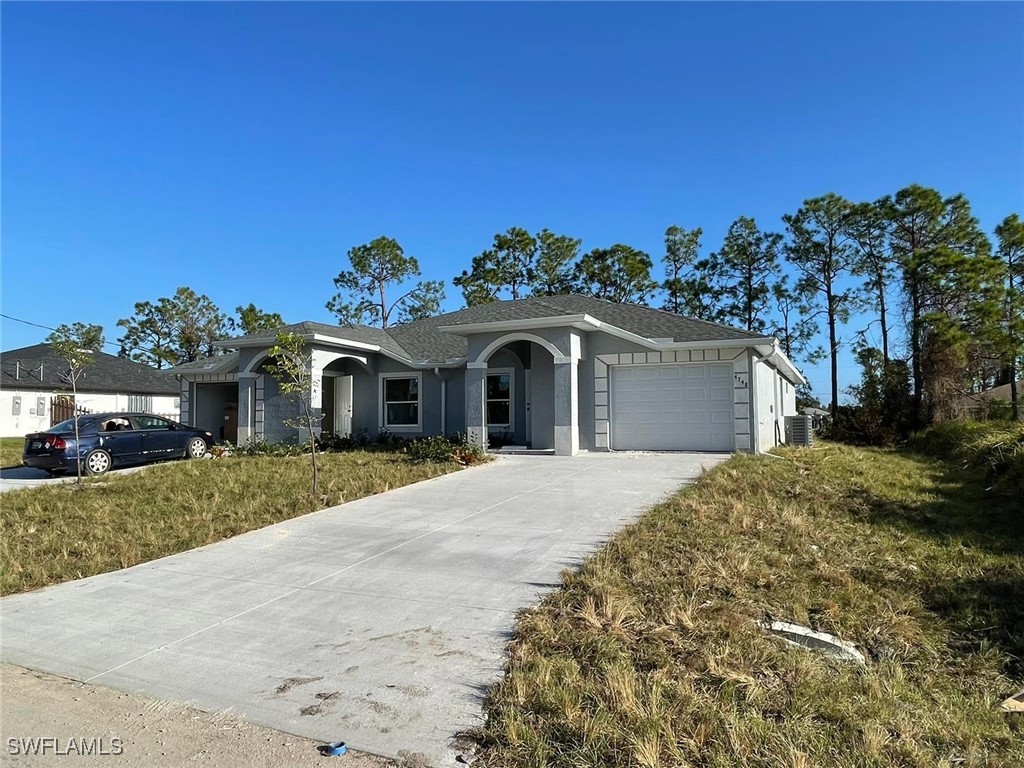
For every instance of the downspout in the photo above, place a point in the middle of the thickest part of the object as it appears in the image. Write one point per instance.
(775, 389)
(444, 401)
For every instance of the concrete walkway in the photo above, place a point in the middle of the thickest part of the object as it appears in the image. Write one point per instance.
(380, 622)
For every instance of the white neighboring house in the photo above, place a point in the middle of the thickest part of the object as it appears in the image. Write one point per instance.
(31, 378)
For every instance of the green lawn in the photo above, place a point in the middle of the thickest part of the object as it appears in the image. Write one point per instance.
(58, 533)
(651, 654)
(10, 451)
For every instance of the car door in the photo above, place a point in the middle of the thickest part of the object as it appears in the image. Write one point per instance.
(119, 437)
(160, 439)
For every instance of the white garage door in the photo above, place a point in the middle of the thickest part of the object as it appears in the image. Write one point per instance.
(672, 407)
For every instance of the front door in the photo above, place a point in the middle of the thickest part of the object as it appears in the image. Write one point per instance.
(343, 405)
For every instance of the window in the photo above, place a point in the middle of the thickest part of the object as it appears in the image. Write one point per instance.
(400, 400)
(140, 403)
(499, 399)
(151, 422)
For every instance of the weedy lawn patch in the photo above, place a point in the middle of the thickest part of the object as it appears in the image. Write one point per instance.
(57, 533)
(651, 654)
(10, 451)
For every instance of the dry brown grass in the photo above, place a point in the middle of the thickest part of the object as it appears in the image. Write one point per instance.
(650, 655)
(58, 533)
(10, 451)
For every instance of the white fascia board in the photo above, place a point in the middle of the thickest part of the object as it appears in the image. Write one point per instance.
(773, 355)
(613, 330)
(584, 322)
(338, 341)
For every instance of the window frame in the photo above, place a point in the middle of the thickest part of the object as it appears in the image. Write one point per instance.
(382, 412)
(511, 373)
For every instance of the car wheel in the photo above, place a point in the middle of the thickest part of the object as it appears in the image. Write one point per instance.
(97, 462)
(196, 448)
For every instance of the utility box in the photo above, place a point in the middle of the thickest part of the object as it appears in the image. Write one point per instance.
(800, 431)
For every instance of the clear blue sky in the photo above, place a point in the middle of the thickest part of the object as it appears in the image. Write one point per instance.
(242, 149)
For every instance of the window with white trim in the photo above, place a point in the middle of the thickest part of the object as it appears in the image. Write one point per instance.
(400, 402)
(499, 399)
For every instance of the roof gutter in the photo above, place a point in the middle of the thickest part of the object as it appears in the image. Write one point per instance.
(583, 322)
(773, 354)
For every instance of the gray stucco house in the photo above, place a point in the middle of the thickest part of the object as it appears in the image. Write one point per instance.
(561, 373)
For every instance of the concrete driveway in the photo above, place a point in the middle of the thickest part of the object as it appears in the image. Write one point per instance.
(380, 622)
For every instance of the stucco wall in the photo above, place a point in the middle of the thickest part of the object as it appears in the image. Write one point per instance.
(455, 412)
(278, 408)
(788, 400)
(33, 419)
(542, 401)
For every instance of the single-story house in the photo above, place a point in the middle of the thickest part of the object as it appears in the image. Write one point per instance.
(560, 373)
(33, 381)
(995, 402)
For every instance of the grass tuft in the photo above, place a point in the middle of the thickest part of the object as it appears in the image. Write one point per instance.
(651, 655)
(59, 533)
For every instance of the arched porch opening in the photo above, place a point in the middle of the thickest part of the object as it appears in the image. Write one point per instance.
(345, 381)
(516, 379)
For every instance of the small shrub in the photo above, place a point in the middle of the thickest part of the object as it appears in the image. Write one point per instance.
(444, 449)
(260, 446)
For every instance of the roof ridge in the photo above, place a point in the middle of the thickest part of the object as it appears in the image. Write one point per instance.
(668, 312)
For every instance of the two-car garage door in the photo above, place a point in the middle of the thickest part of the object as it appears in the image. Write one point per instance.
(672, 407)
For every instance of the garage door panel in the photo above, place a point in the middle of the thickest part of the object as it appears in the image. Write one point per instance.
(672, 407)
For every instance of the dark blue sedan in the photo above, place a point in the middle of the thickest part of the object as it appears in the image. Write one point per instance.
(107, 440)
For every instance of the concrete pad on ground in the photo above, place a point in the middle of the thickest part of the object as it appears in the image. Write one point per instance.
(380, 622)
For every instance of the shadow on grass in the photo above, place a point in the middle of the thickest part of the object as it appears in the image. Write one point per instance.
(978, 585)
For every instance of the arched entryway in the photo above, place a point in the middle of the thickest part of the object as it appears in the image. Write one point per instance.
(521, 391)
(344, 381)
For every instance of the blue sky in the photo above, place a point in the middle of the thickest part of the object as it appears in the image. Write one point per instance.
(243, 148)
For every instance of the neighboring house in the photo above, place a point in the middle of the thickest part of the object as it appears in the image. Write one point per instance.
(34, 379)
(993, 402)
(563, 373)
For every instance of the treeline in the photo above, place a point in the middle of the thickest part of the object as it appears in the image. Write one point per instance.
(183, 328)
(947, 304)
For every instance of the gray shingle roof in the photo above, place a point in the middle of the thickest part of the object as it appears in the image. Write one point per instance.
(643, 321)
(41, 368)
(422, 339)
(205, 363)
(362, 334)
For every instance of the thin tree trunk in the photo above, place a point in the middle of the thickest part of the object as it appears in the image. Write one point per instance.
(884, 323)
(915, 351)
(833, 346)
(74, 415)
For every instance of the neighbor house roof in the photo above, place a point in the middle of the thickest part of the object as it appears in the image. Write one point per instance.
(39, 367)
(1002, 392)
(439, 339)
